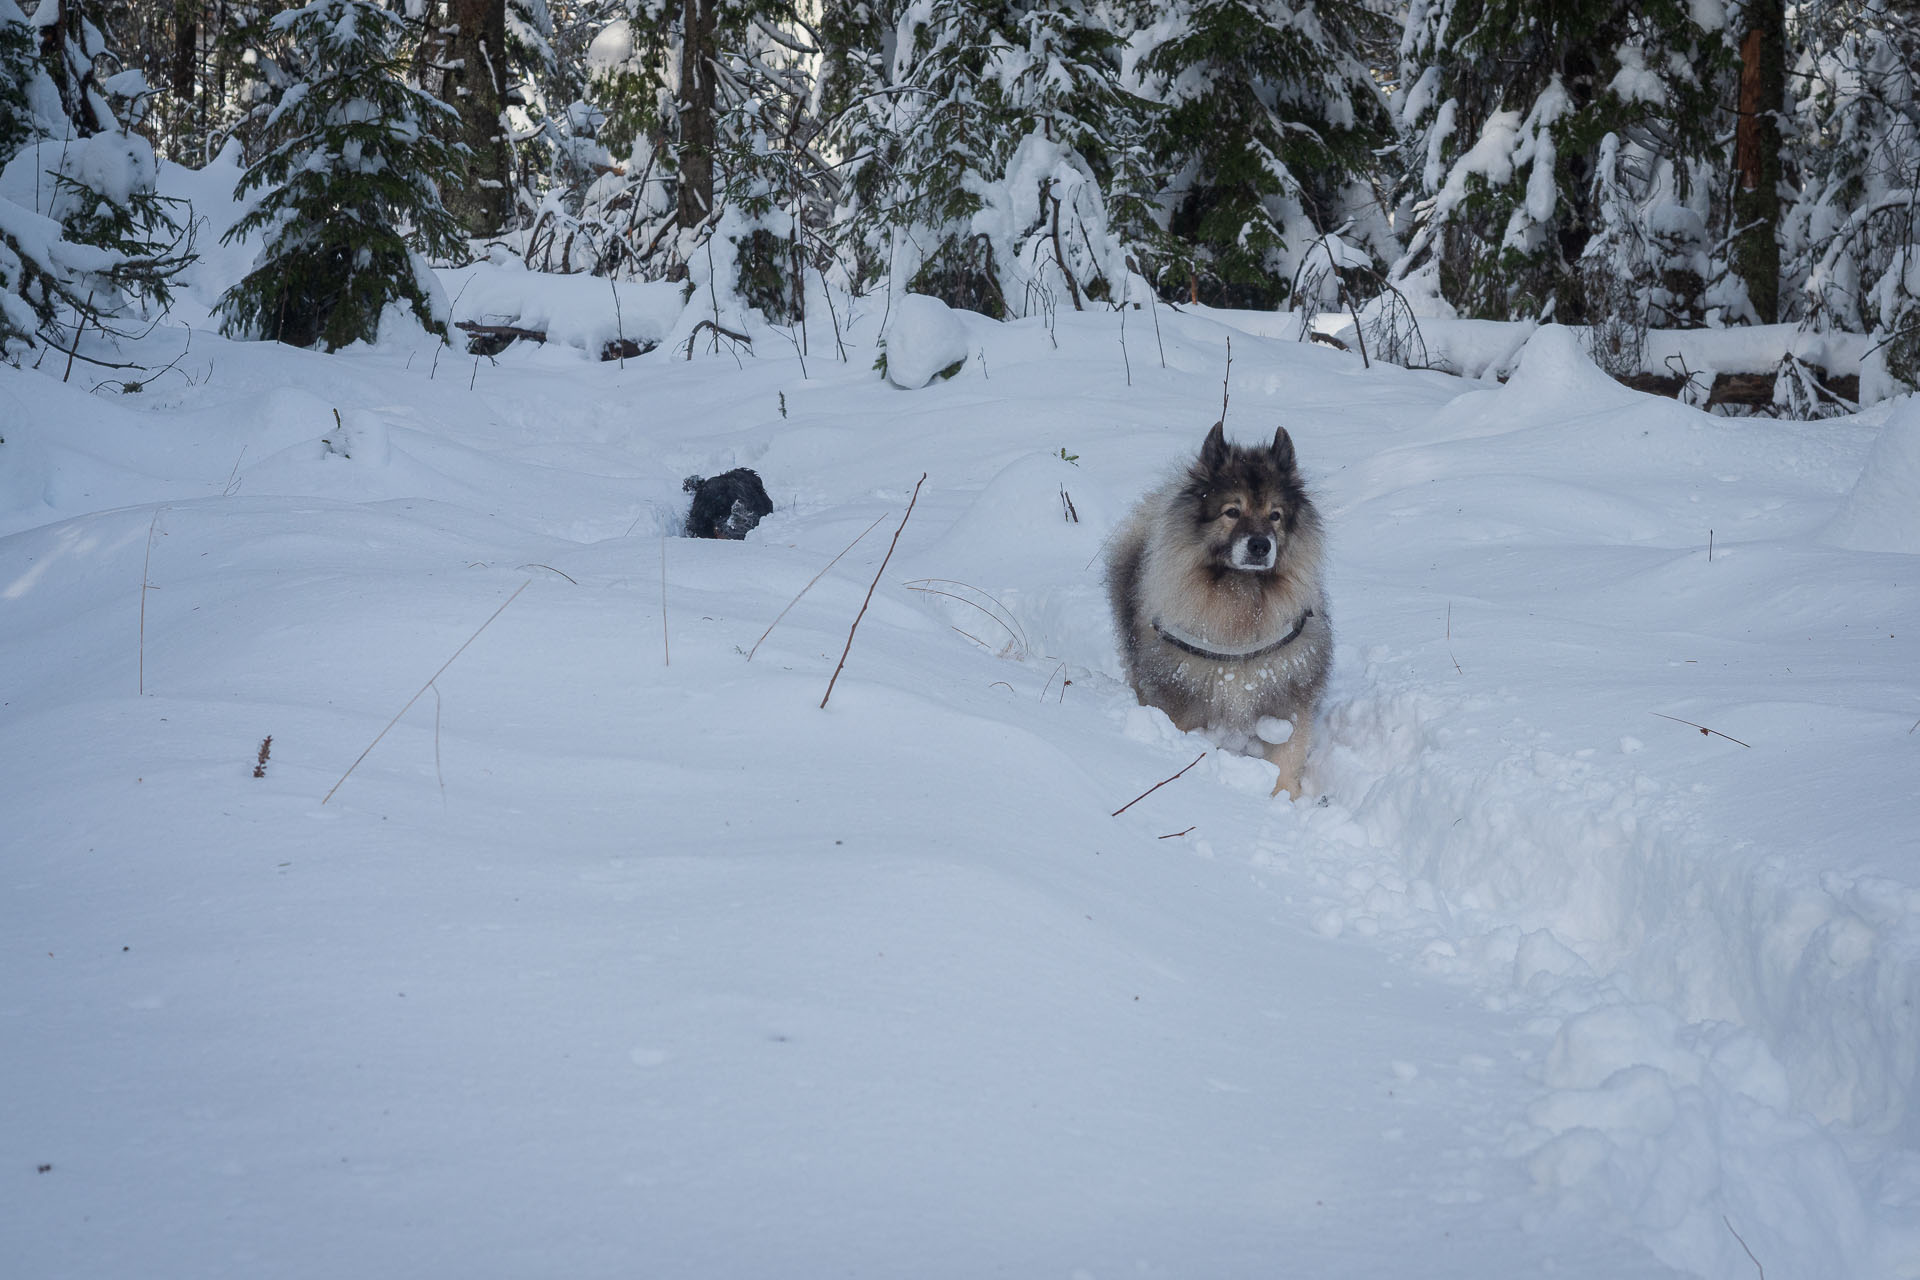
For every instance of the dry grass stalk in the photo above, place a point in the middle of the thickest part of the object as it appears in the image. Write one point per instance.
(1015, 632)
(423, 688)
(146, 585)
(870, 589)
(260, 765)
(810, 581)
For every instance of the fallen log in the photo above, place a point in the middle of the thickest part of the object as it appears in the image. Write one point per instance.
(1750, 390)
(492, 339)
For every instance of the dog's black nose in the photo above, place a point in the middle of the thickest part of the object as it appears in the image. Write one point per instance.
(1259, 547)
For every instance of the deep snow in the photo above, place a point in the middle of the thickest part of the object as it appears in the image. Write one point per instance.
(619, 955)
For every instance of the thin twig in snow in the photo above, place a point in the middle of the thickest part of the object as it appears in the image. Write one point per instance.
(438, 776)
(619, 322)
(1703, 729)
(428, 685)
(815, 578)
(1155, 787)
(1743, 1244)
(146, 585)
(870, 589)
(666, 647)
(1225, 379)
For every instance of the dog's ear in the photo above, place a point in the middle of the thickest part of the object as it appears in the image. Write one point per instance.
(1213, 453)
(1282, 449)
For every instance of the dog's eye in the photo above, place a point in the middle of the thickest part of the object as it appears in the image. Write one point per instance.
(1231, 513)
(1273, 517)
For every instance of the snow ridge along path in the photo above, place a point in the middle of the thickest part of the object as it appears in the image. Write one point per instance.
(603, 966)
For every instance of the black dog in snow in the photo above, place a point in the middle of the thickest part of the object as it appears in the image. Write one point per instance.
(727, 505)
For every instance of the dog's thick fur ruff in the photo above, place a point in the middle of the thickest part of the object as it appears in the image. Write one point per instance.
(728, 505)
(1208, 578)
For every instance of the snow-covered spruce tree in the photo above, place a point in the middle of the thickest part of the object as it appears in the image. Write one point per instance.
(856, 115)
(991, 153)
(1272, 120)
(83, 235)
(350, 182)
(705, 115)
(1855, 232)
(535, 112)
(1507, 108)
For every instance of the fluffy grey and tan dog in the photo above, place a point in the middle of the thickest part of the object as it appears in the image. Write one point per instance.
(1215, 581)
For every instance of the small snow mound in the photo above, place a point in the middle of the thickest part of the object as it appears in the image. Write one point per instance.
(611, 49)
(1273, 730)
(925, 338)
(1554, 365)
(1882, 511)
(359, 437)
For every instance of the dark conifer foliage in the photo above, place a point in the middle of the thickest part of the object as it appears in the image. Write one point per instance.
(1620, 165)
(1508, 108)
(1269, 135)
(350, 182)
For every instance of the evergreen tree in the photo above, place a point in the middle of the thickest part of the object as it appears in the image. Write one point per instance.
(350, 179)
(1272, 118)
(989, 158)
(1855, 231)
(83, 235)
(1520, 202)
(857, 111)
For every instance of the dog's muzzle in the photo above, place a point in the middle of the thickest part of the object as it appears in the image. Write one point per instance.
(1254, 552)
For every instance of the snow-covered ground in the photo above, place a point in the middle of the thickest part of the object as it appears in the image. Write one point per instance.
(618, 955)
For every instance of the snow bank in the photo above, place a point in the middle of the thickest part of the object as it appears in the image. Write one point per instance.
(1882, 510)
(581, 311)
(924, 339)
(618, 932)
(1492, 348)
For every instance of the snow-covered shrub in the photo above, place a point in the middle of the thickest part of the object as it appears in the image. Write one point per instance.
(1271, 118)
(83, 235)
(350, 183)
(1540, 139)
(980, 171)
(1856, 227)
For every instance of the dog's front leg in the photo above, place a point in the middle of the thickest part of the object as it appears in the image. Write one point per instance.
(1289, 757)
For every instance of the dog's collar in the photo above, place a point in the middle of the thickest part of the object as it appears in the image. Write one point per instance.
(1179, 641)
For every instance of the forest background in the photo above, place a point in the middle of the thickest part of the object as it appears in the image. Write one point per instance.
(1625, 168)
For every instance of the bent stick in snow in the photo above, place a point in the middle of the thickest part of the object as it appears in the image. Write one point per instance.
(870, 588)
(1155, 787)
(423, 688)
(1704, 731)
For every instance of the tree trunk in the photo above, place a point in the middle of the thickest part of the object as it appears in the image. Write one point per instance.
(695, 105)
(186, 48)
(1756, 156)
(475, 85)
